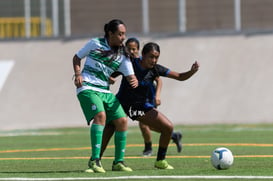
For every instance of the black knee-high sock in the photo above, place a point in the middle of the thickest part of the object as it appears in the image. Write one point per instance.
(161, 154)
(148, 146)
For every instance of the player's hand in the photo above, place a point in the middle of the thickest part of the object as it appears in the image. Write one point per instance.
(134, 83)
(195, 67)
(78, 81)
(111, 80)
(157, 101)
(132, 80)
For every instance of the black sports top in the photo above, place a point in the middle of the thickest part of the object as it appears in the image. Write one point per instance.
(144, 93)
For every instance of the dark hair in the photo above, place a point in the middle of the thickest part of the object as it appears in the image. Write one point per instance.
(112, 26)
(130, 40)
(149, 47)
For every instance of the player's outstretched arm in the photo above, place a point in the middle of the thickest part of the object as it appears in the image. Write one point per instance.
(184, 75)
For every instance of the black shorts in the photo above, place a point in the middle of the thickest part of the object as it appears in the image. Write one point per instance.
(137, 110)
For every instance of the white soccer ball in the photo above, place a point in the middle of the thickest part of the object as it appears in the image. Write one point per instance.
(221, 158)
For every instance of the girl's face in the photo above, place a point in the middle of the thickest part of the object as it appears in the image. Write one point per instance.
(150, 59)
(133, 49)
(117, 38)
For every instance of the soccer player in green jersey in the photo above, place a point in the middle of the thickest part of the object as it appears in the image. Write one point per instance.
(103, 57)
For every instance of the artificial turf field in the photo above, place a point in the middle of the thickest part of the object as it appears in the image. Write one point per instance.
(62, 154)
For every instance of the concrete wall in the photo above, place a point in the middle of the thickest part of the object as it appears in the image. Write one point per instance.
(234, 84)
(205, 15)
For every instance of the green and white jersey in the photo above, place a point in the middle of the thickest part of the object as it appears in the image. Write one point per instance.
(100, 63)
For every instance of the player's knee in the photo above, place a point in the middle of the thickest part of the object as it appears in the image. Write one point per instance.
(122, 120)
(100, 118)
(169, 127)
(121, 124)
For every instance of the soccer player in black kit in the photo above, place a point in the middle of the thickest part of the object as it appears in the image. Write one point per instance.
(137, 103)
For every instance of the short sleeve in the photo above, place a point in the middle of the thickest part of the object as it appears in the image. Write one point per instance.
(162, 71)
(126, 67)
(84, 51)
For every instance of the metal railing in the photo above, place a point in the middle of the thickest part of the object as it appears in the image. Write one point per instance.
(72, 18)
(14, 27)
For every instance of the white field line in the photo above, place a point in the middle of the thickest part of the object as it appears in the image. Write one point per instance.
(143, 177)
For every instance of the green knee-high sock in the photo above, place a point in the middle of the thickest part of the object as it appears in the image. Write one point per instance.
(120, 144)
(96, 132)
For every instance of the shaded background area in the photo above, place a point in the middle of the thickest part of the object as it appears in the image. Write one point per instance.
(234, 84)
(82, 18)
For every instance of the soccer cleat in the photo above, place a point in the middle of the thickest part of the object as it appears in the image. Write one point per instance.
(147, 153)
(89, 170)
(177, 137)
(163, 164)
(120, 166)
(95, 166)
